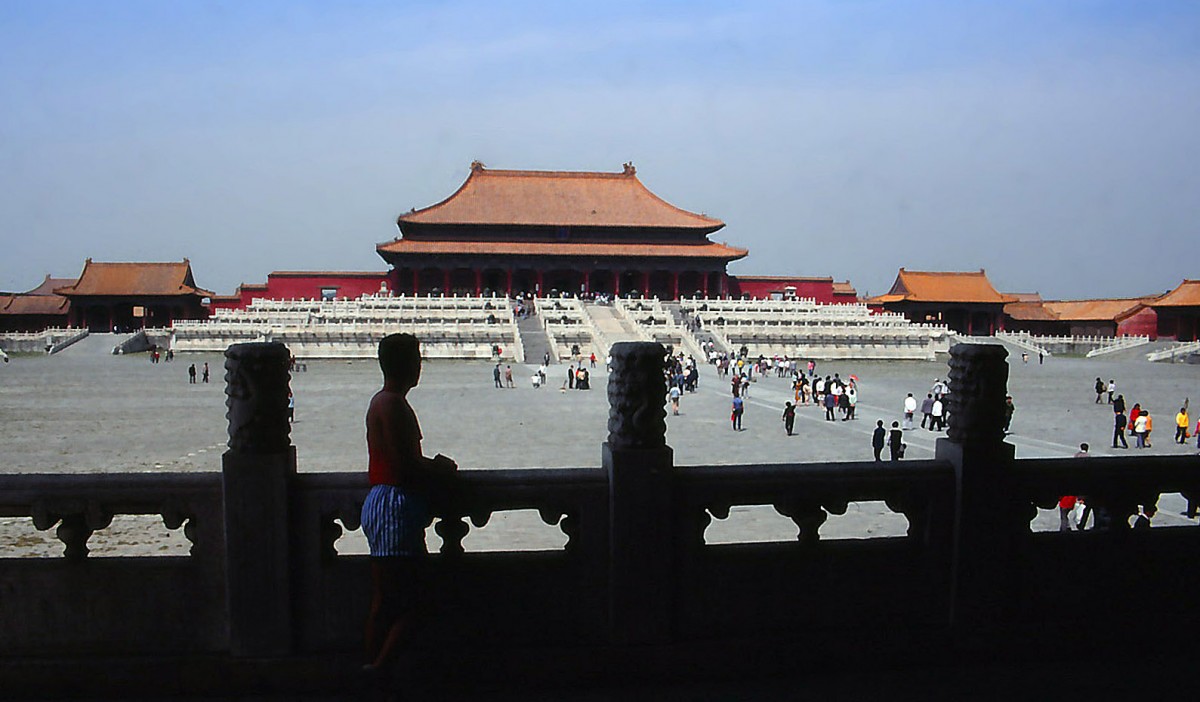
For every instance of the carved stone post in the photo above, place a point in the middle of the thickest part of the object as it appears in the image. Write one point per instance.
(639, 465)
(987, 518)
(255, 475)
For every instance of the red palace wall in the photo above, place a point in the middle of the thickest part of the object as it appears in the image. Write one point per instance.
(1143, 323)
(304, 285)
(820, 289)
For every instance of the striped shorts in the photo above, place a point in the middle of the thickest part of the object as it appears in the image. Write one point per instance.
(394, 522)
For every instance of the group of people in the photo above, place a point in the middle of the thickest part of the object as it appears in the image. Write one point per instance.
(192, 374)
(935, 408)
(157, 356)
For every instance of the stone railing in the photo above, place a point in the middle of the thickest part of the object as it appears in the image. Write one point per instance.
(638, 591)
(1182, 350)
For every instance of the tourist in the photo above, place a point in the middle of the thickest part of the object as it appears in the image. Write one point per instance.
(1083, 451)
(1100, 387)
(496, 376)
(1112, 387)
(910, 408)
(1144, 516)
(927, 411)
(397, 507)
(789, 417)
(1133, 416)
(1119, 424)
(1066, 505)
(843, 403)
(896, 441)
(675, 394)
(818, 393)
(592, 359)
(852, 394)
(205, 375)
(1119, 404)
(878, 439)
(830, 403)
(1025, 357)
(571, 377)
(1181, 426)
(291, 407)
(1149, 427)
(937, 415)
(192, 374)
(508, 379)
(736, 417)
(1009, 410)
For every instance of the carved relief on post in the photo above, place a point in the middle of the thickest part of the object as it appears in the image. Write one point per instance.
(979, 384)
(637, 388)
(256, 382)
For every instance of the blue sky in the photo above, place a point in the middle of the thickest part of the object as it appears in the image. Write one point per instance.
(1054, 144)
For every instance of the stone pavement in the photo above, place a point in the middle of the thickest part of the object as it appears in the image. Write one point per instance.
(90, 412)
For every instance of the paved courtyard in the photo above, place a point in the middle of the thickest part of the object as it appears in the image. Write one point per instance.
(88, 411)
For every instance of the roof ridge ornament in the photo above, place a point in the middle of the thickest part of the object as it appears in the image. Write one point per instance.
(477, 165)
(628, 168)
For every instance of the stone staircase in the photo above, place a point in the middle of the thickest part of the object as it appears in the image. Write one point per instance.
(611, 326)
(534, 340)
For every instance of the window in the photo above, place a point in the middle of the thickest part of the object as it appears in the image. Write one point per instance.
(329, 293)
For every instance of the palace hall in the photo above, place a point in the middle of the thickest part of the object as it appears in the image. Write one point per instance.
(550, 232)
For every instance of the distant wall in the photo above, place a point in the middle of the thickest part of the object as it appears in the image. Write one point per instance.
(1143, 323)
(820, 289)
(305, 285)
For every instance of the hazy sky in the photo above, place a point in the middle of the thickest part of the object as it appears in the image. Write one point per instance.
(1056, 144)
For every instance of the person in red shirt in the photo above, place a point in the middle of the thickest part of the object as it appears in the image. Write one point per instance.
(396, 510)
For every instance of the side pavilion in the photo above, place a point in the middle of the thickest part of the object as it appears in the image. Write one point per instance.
(966, 302)
(1179, 312)
(125, 296)
(506, 232)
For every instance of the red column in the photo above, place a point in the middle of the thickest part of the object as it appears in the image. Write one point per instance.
(675, 285)
(705, 287)
(508, 281)
(617, 283)
(446, 282)
(587, 281)
(416, 281)
(540, 283)
(645, 283)
(478, 282)
(110, 318)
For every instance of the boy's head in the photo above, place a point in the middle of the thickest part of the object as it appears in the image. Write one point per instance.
(400, 359)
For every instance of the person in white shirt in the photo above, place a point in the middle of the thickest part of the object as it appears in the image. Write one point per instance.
(910, 408)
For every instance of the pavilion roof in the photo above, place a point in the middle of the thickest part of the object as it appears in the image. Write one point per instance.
(710, 250)
(558, 199)
(942, 286)
(49, 285)
(34, 304)
(1106, 310)
(129, 279)
(1093, 310)
(844, 288)
(1186, 295)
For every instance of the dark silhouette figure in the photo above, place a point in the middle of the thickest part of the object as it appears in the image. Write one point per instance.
(396, 511)
(879, 439)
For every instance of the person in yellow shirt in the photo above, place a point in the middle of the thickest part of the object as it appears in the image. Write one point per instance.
(1181, 426)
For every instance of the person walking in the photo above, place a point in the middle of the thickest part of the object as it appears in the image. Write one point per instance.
(789, 417)
(204, 376)
(1139, 429)
(1181, 426)
(675, 395)
(508, 379)
(496, 376)
(910, 408)
(1119, 424)
(1112, 387)
(927, 411)
(878, 439)
(938, 423)
(1100, 387)
(830, 403)
(736, 416)
(192, 374)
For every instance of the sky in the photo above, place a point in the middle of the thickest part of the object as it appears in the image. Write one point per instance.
(1054, 144)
